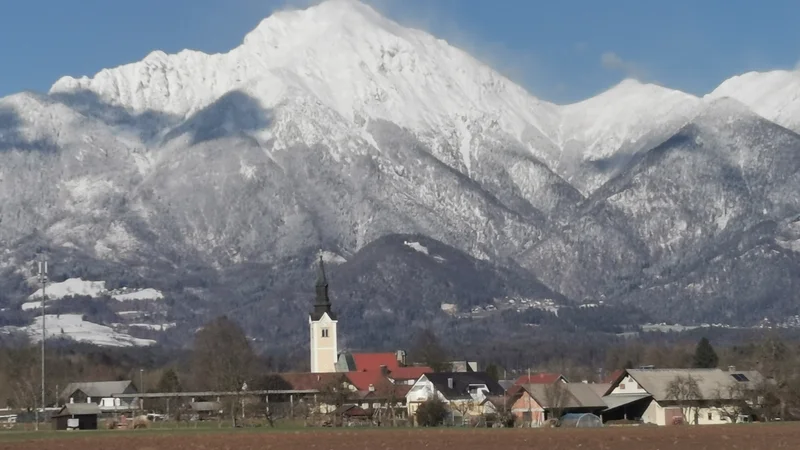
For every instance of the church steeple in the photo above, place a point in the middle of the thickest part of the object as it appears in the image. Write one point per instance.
(323, 339)
(322, 303)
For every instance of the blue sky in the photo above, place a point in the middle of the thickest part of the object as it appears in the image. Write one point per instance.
(562, 51)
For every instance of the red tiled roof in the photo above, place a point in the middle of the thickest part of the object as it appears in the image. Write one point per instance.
(538, 378)
(612, 377)
(374, 361)
(362, 380)
(310, 381)
(409, 373)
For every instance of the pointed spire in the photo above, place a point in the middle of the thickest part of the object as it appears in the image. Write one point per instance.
(321, 279)
(322, 303)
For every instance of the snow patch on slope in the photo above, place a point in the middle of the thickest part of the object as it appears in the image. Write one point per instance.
(72, 326)
(144, 294)
(79, 287)
(333, 258)
(72, 287)
(417, 246)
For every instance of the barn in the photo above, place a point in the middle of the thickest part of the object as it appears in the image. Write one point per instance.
(77, 416)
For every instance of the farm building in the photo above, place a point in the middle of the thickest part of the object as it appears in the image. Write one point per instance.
(533, 404)
(673, 396)
(102, 393)
(206, 410)
(76, 416)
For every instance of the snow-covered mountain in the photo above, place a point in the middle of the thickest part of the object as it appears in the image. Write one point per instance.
(774, 95)
(220, 176)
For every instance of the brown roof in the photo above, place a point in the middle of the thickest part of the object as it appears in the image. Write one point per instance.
(575, 395)
(306, 381)
(600, 388)
(539, 378)
(712, 383)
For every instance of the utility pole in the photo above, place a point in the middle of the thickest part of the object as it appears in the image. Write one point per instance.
(43, 281)
(141, 386)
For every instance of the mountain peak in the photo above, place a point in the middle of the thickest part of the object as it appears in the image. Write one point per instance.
(352, 16)
(774, 95)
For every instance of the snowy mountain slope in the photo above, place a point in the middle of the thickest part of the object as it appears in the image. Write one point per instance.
(342, 56)
(345, 56)
(727, 169)
(333, 127)
(599, 135)
(774, 95)
(72, 326)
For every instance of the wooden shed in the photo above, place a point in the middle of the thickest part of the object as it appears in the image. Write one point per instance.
(77, 416)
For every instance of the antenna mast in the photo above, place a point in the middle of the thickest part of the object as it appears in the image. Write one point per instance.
(43, 281)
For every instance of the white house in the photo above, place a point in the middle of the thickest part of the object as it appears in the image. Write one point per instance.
(692, 396)
(463, 392)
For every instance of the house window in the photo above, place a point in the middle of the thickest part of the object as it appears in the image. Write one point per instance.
(324, 332)
(622, 386)
(710, 416)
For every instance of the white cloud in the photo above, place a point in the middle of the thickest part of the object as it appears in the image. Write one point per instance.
(613, 61)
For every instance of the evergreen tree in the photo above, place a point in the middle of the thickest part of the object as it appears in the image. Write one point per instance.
(169, 381)
(493, 371)
(704, 355)
(429, 351)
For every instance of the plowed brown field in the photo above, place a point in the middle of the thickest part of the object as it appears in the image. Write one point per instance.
(750, 437)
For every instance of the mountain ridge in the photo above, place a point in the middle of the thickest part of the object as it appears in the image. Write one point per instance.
(204, 173)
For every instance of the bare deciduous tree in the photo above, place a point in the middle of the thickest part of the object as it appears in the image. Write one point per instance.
(556, 397)
(731, 400)
(223, 360)
(685, 391)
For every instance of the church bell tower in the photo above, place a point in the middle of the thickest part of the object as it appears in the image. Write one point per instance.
(322, 326)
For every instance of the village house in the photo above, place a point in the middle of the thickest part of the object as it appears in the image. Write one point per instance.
(532, 405)
(102, 394)
(673, 396)
(464, 393)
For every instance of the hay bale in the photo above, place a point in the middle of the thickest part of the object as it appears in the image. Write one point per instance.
(141, 422)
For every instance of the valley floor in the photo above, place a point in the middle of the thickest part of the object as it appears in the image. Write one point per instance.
(750, 436)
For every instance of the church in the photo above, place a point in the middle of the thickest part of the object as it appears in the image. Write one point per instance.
(324, 348)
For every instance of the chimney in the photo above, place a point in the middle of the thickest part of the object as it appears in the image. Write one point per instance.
(384, 370)
(731, 368)
(401, 357)
(450, 383)
(372, 388)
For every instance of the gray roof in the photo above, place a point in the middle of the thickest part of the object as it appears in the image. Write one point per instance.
(576, 395)
(713, 383)
(98, 389)
(585, 395)
(461, 382)
(506, 384)
(600, 388)
(206, 406)
(615, 401)
(78, 409)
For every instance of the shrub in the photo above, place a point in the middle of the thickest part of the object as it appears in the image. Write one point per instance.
(431, 413)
